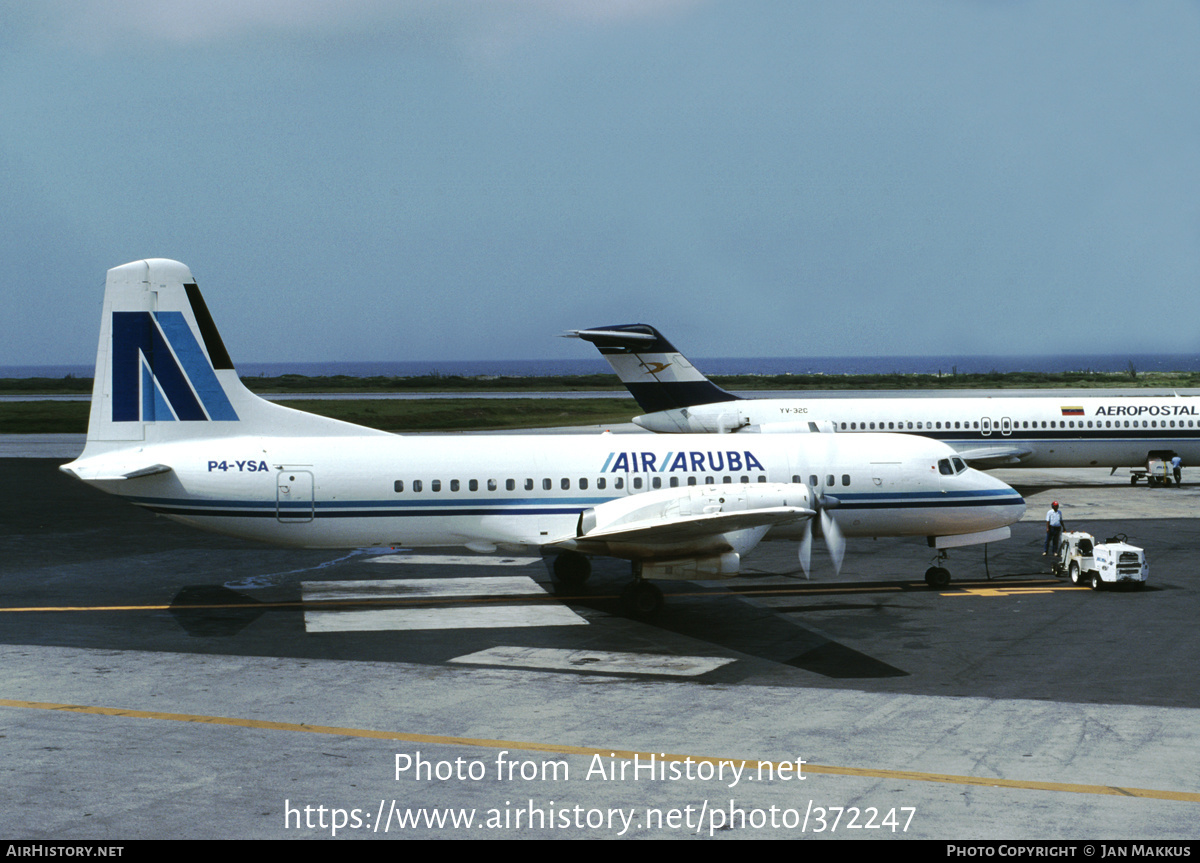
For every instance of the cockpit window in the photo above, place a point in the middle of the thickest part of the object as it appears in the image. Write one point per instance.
(959, 465)
(944, 467)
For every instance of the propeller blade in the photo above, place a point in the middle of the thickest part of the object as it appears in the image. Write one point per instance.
(806, 548)
(833, 539)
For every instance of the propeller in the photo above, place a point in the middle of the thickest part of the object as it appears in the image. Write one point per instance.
(834, 540)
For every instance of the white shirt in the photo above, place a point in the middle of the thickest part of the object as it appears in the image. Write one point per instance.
(1054, 518)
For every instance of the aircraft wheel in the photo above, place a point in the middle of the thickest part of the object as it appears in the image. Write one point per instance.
(1133, 480)
(642, 599)
(1096, 582)
(1075, 573)
(937, 577)
(572, 568)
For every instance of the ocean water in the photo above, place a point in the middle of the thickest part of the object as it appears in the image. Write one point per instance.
(710, 365)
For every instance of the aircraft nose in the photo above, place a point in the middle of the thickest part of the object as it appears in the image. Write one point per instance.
(1007, 503)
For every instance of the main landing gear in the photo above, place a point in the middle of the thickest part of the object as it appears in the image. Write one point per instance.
(640, 598)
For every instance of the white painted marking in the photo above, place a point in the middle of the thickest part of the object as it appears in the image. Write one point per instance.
(409, 588)
(554, 659)
(441, 618)
(454, 560)
(426, 617)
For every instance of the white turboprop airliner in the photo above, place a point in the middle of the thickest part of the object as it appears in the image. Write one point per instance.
(172, 429)
(1034, 431)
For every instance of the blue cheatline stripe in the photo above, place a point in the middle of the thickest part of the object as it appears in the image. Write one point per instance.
(536, 506)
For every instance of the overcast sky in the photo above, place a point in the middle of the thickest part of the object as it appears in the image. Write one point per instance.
(411, 179)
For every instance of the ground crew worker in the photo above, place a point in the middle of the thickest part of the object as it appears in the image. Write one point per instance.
(1177, 469)
(1054, 528)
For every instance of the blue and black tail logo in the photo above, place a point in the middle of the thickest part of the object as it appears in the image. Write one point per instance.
(160, 373)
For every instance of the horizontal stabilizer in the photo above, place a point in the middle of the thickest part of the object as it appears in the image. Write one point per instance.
(91, 471)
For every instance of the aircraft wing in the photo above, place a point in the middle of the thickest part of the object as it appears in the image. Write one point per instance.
(695, 531)
(995, 456)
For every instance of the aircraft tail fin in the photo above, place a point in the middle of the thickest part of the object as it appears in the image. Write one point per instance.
(163, 373)
(656, 374)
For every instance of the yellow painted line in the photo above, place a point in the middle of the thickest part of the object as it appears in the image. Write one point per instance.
(1012, 591)
(526, 746)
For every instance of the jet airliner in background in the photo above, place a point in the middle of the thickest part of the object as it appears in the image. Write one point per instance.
(173, 430)
(1021, 431)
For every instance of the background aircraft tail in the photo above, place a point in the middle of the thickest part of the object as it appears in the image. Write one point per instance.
(657, 375)
(163, 374)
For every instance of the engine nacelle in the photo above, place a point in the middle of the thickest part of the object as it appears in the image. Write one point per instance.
(715, 566)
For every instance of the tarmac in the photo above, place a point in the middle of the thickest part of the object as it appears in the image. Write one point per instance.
(160, 682)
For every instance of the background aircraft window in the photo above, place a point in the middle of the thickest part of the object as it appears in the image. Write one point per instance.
(812, 479)
(828, 479)
(674, 482)
(656, 482)
(795, 479)
(473, 485)
(708, 480)
(453, 485)
(845, 479)
(762, 478)
(843, 426)
(491, 485)
(601, 483)
(691, 480)
(910, 425)
(619, 482)
(637, 482)
(583, 482)
(565, 483)
(726, 479)
(416, 485)
(435, 485)
(399, 485)
(528, 484)
(744, 479)
(547, 484)
(510, 484)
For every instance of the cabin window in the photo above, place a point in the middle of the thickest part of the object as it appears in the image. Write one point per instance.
(812, 480)
(726, 479)
(453, 485)
(637, 482)
(528, 484)
(583, 482)
(708, 480)
(510, 485)
(601, 483)
(619, 482)
(547, 484)
(828, 479)
(565, 484)
(435, 485)
(674, 482)
(398, 486)
(691, 480)
(491, 485)
(473, 485)
(843, 426)
(845, 479)
(656, 482)
(416, 485)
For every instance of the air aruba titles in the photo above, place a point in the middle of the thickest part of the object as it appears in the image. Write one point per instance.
(647, 462)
